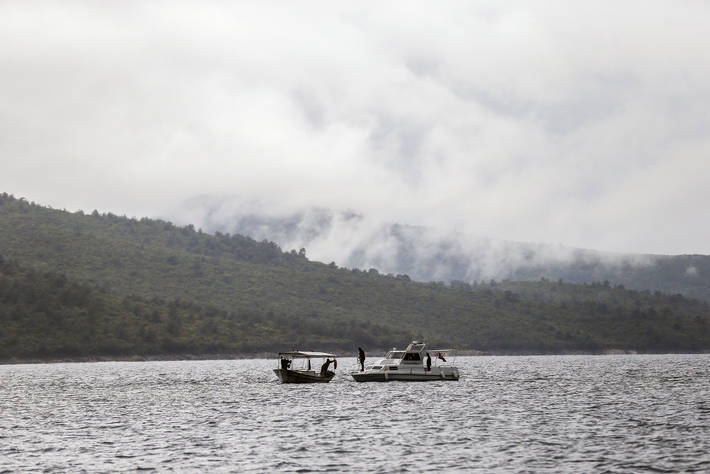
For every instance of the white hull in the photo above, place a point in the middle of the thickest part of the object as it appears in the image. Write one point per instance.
(403, 374)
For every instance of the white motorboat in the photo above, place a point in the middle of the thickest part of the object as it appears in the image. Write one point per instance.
(415, 363)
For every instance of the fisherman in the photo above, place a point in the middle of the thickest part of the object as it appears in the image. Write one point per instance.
(324, 367)
(428, 362)
(361, 358)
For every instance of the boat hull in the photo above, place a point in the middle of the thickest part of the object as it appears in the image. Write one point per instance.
(302, 376)
(402, 376)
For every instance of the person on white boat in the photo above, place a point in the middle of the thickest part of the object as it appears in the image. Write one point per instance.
(428, 362)
(361, 358)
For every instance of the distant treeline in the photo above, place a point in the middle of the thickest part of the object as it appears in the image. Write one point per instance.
(75, 284)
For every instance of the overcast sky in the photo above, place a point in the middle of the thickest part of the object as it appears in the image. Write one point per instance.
(581, 123)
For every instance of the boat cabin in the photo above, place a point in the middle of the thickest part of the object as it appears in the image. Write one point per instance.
(414, 355)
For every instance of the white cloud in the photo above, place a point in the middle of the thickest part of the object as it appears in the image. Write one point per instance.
(584, 124)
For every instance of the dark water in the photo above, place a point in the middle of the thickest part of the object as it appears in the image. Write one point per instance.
(509, 414)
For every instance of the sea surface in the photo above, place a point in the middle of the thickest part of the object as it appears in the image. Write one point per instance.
(626, 413)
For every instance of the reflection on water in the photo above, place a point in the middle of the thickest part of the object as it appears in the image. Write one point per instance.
(567, 413)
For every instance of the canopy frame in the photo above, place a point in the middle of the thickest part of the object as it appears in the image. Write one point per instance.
(307, 354)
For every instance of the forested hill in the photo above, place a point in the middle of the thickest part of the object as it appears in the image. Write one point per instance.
(46, 315)
(153, 288)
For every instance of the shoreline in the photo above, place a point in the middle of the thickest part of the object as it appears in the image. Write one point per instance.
(341, 354)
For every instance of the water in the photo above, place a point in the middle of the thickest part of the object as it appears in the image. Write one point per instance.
(510, 414)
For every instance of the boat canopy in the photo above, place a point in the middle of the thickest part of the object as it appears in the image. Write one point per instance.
(306, 354)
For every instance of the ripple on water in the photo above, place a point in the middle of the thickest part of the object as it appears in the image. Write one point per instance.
(573, 413)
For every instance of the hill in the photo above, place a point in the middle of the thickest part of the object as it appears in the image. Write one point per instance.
(45, 315)
(202, 293)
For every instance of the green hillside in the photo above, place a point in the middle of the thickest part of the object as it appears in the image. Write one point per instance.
(191, 292)
(47, 315)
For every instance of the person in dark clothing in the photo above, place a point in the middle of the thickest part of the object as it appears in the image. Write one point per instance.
(324, 367)
(361, 358)
(428, 362)
(285, 363)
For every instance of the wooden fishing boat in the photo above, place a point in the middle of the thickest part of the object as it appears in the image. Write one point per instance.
(305, 367)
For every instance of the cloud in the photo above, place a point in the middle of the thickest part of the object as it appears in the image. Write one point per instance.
(585, 124)
(354, 240)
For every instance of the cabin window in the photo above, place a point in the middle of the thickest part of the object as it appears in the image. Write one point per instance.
(412, 356)
(391, 367)
(376, 367)
(394, 355)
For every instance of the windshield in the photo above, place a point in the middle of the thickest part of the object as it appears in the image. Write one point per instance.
(394, 355)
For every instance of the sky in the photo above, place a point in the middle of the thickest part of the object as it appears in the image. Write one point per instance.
(585, 124)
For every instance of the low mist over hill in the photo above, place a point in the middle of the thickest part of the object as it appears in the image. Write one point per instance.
(354, 240)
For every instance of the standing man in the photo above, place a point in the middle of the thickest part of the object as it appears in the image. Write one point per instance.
(428, 362)
(361, 358)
